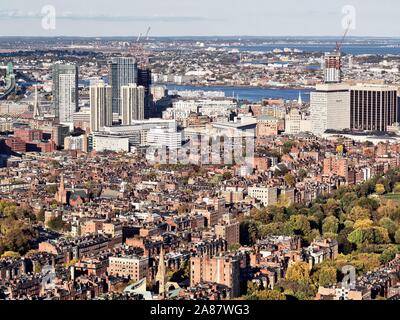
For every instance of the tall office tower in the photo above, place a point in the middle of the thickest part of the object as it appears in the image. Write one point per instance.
(333, 67)
(144, 79)
(65, 91)
(132, 103)
(373, 107)
(330, 108)
(100, 106)
(122, 71)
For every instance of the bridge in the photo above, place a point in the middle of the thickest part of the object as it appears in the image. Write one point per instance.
(10, 89)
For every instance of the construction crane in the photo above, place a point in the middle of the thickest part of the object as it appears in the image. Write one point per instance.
(147, 33)
(339, 45)
(137, 48)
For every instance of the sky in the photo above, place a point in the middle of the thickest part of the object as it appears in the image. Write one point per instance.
(199, 17)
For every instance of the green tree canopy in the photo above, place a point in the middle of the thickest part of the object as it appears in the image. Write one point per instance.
(330, 225)
(298, 272)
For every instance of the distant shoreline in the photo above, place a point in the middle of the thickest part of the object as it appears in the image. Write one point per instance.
(237, 86)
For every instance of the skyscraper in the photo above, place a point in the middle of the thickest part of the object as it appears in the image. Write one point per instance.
(122, 71)
(132, 103)
(144, 79)
(373, 107)
(100, 106)
(330, 108)
(333, 67)
(65, 91)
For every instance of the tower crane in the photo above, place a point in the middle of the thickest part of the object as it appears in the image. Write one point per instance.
(147, 33)
(137, 48)
(339, 45)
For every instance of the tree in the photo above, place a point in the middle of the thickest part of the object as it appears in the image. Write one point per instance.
(9, 211)
(363, 262)
(363, 224)
(347, 201)
(41, 215)
(11, 254)
(302, 174)
(330, 225)
(371, 235)
(340, 149)
(389, 225)
(396, 188)
(298, 225)
(56, 223)
(283, 201)
(259, 215)
(266, 295)
(227, 176)
(252, 288)
(51, 189)
(345, 246)
(15, 236)
(359, 213)
(389, 210)
(389, 254)
(271, 229)
(327, 276)
(38, 268)
(331, 207)
(180, 275)
(71, 263)
(298, 272)
(397, 237)
(287, 147)
(380, 189)
(290, 180)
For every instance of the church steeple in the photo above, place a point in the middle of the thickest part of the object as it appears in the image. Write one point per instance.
(300, 101)
(36, 110)
(161, 276)
(61, 195)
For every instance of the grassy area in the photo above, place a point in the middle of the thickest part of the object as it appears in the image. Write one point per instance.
(392, 196)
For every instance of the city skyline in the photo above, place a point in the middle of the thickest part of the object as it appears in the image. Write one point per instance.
(192, 18)
(199, 168)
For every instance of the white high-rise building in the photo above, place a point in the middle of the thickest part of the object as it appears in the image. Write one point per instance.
(330, 108)
(65, 91)
(296, 122)
(267, 195)
(100, 106)
(164, 137)
(132, 103)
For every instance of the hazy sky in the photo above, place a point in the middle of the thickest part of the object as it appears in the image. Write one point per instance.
(199, 17)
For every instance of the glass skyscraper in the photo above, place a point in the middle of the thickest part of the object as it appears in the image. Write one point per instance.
(123, 71)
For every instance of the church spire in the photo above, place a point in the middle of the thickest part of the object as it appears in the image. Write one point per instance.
(161, 275)
(61, 195)
(300, 101)
(36, 110)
